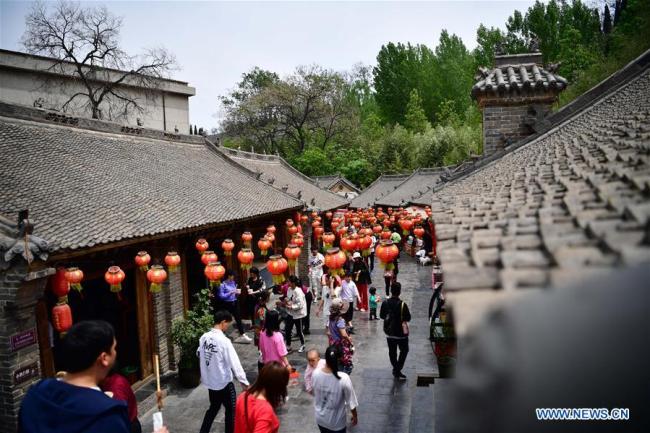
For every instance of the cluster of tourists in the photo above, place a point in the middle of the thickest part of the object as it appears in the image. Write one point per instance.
(99, 400)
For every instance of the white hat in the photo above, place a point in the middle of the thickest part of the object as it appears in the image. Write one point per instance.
(356, 255)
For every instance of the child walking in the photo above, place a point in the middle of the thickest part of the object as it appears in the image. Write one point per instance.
(373, 303)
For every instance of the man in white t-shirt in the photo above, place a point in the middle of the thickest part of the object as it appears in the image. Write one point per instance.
(316, 261)
(333, 393)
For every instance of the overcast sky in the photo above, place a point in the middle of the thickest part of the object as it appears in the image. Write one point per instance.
(215, 42)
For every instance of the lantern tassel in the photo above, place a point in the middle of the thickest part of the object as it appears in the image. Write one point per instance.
(155, 287)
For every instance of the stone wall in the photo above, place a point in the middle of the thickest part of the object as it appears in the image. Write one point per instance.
(506, 124)
(167, 306)
(17, 314)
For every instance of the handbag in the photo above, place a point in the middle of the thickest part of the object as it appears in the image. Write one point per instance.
(405, 325)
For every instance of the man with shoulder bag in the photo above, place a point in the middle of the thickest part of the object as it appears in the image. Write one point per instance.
(396, 315)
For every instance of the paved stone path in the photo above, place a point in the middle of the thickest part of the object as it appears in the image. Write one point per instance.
(385, 405)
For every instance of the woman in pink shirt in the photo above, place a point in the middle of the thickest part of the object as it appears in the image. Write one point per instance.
(272, 344)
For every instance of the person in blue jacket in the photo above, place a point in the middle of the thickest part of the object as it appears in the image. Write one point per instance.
(75, 403)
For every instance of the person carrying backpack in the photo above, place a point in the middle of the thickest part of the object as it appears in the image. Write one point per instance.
(396, 315)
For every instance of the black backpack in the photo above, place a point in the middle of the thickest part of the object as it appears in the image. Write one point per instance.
(393, 320)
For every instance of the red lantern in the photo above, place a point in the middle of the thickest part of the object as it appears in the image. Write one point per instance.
(60, 285)
(114, 276)
(315, 224)
(61, 317)
(292, 252)
(298, 240)
(328, 240)
(341, 231)
(387, 252)
(202, 245)
(74, 276)
(227, 246)
(328, 215)
(277, 266)
(406, 225)
(289, 223)
(377, 229)
(304, 219)
(271, 229)
(264, 244)
(419, 232)
(348, 244)
(245, 257)
(357, 224)
(334, 260)
(292, 230)
(314, 214)
(270, 236)
(246, 238)
(387, 222)
(214, 272)
(335, 224)
(318, 231)
(385, 235)
(390, 211)
(209, 257)
(172, 260)
(156, 276)
(142, 260)
(364, 244)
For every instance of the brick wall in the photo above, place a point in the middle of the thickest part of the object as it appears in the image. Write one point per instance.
(17, 314)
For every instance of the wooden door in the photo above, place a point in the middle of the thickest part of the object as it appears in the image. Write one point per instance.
(145, 324)
(44, 345)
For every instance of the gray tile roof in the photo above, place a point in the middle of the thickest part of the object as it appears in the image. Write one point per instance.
(519, 78)
(276, 171)
(85, 188)
(328, 181)
(417, 185)
(570, 203)
(383, 185)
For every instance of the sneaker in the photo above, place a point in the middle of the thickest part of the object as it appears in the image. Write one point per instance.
(306, 332)
(400, 376)
(363, 310)
(302, 349)
(244, 339)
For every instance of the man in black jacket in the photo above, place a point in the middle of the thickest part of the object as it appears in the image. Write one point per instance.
(395, 314)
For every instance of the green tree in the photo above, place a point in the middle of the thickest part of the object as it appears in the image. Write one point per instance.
(454, 72)
(415, 120)
(607, 21)
(313, 162)
(487, 43)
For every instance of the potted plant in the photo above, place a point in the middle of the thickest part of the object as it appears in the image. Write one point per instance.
(186, 333)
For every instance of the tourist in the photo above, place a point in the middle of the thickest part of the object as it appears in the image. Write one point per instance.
(259, 316)
(361, 279)
(272, 347)
(218, 361)
(309, 299)
(396, 315)
(371, 257)
(255, 408)
(373, 303)
(296, 310)
(349, 293)
(315, 267)
(120, 389)
(331, 288)
(389, 276)
(87, 355)
(338, 336)
(314, 362)
(255, 287)
(227, 296)
(333, 392)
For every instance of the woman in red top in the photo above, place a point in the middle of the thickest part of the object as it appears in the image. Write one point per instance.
(254, 412)
(120, 388)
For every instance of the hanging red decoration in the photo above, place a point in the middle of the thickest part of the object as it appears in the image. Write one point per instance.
(202, 246)
(277, 266)
(270, 229)
(377, 229)
(227, 246)
(334, 224)
(418, 232)
(61, 317)
(270, 236)
(364, 244)
(328, 215)
(172, 260)
(328, 240)
(142, 260)
(334, 260)
(314, 214)
(60, 285)
(292, 230)
(348, 244)
(209, 257)
(304, 219)
(156, 276)
(387, 222)
(74, 276)
(315, 224)
(385, 235)
(246, 239)
(292, 252)
(289, 223)
(114, 277)
(406, 225)
(245, 257)
(264, 244)
(387, 252)
(298, 240)
(318, 231)
(214, 272)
